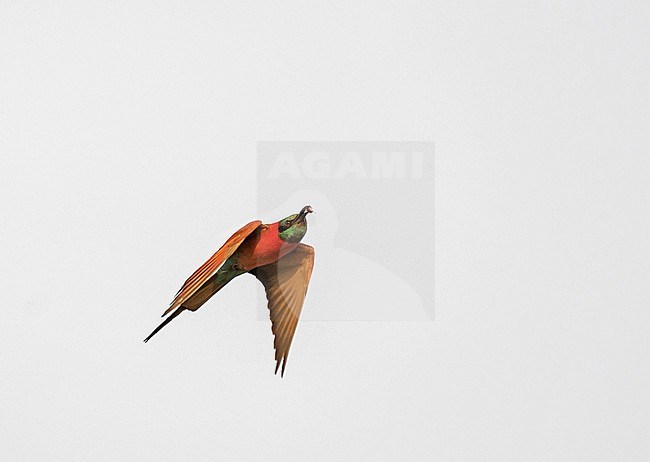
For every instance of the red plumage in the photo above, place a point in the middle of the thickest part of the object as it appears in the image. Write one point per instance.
(262, 247)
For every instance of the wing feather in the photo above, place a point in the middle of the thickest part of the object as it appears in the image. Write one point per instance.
(210, 267)
(286, 282)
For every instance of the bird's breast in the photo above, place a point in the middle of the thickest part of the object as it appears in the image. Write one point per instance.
(263, 248)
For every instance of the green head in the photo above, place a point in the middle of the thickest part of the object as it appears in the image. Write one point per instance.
(293, 228)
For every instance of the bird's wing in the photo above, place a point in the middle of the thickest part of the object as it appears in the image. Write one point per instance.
(286, 282)
(210, 267)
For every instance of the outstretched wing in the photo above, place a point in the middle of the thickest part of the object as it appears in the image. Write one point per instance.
(210, 267)
(286, 283)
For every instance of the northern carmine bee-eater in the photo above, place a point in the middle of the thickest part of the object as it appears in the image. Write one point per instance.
(274, 255)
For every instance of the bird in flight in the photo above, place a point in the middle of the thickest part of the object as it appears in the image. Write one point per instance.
(274, 255)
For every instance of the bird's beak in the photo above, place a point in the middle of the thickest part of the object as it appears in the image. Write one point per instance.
(303, 213)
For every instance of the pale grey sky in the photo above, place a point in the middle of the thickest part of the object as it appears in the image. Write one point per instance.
(128, 146)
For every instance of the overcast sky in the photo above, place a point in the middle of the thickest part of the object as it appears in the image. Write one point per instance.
(128, 148)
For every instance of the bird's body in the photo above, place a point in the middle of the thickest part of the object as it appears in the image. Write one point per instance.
(263, 248)
(271, 252)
